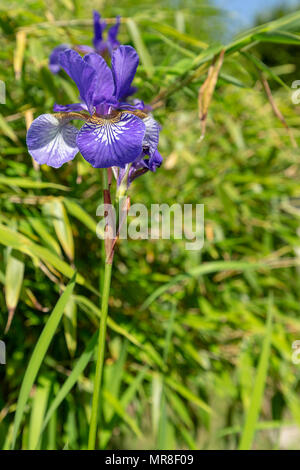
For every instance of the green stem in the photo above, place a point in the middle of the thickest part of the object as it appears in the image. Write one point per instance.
(96, 404)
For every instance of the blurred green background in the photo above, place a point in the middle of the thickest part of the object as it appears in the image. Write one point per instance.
(192, 362)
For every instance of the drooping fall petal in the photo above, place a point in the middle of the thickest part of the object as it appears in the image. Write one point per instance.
(52, 140)
(115, 141)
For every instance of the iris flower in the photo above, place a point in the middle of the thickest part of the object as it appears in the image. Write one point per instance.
(101, 46)
(114, 134)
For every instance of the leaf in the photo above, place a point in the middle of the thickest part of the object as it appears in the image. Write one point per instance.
(62, 227)
(70, 325)
(77, 211)
(14, 275)
(259, 386)
(279, 37)
(39, 404)
(140, 46)
(186, 393)
(43, 231)
(29, 183)
(261, 66)
(175, 46)
(9, 237)
(78, 369)
(118, 408)
(205, 268)
(8, 130)
(19, 53)
(92, 308)
(38, 355)
(175, 34)
(207, 89)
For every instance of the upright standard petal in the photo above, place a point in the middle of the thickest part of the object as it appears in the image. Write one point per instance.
(82, 73)
(112, 34)
(114, 141)
(52, 140)
(99, 27)
(104, 86)
(124, 63)
(54, 57)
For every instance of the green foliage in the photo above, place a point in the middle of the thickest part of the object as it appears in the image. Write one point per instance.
(191, 361)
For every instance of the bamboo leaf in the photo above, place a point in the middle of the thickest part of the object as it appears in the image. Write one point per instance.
(77, 211)
(186, 393)
(140, 46)
(62, 227)
(19, 53)
(28, 183)
(78, 369)
(205, 268)
(70, 325)
(14, 275)
(38, 355)
(39, 404)
(259, 386)
(15, 240)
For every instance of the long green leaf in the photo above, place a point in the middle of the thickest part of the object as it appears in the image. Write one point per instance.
(205, 268)
(72, 379)
(259, 387)
(13, 239)
(38, 355)
(140, 46)
(28, 183)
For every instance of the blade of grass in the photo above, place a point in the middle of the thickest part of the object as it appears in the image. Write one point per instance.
(14, 275)
(205, 268)
(259, 386)
(13, 239)
(38, 355)
(140, 46)
(78, 369)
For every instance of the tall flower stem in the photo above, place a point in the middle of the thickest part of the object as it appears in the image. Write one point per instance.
(96, 404)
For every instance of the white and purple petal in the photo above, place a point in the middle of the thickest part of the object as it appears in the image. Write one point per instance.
(51, 140)
(114, 141)
(124, 63)
(151, 138)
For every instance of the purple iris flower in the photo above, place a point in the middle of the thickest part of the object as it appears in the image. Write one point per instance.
(101, 46)
(114, 133)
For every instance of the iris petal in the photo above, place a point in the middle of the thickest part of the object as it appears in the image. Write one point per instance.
(112, 41)
(124, 63)
(52, 140)
(69, 108)
(54, 57)
(105, 83)
(82, 73)
(99, 27)
(151, 138)
(111, 142)
(155, 161)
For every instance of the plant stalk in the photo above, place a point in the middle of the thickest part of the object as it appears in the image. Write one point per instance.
(105, 287)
